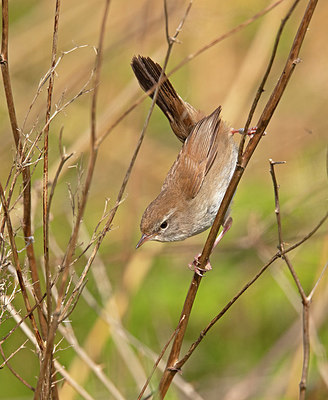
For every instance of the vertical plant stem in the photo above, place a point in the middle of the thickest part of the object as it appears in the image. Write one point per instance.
(48, 387)
(306, 301)
(28, 236)
(264, 120)
(306, 349)
(46, 165)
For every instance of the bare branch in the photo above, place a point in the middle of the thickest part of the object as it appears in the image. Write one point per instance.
(280, 239)
(306, 301)
(240, 168)
(22, 346)
(4, 61)
(45, 199)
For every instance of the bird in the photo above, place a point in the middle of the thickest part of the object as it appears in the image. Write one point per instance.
(197, 181)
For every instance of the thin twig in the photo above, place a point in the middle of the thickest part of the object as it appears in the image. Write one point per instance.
(46, 387)
(11, 368)
(305, 300)
(6, 359)
(27, 315)
(19, 269)
(5, 72)
(306, 350)
(44, 80)
(45, 200)
(276, 198)
(280, 238)
(4, 61)
(260, 89)
(92, 161)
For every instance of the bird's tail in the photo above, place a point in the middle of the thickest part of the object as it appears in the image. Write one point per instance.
(181, 115)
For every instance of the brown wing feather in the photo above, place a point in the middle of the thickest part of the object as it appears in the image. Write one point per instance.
(196, 156)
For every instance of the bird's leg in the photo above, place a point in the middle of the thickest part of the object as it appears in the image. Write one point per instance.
(226, 226)
(250, 131)
(194, 266)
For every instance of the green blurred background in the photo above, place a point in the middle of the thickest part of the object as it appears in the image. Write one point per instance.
(254, 352)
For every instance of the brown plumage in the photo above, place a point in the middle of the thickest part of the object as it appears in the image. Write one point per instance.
(196, 183)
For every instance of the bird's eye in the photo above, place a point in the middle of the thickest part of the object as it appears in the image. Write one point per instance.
(163, 225)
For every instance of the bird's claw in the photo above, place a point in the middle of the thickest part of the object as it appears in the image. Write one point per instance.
(195, 266)
(250, 131)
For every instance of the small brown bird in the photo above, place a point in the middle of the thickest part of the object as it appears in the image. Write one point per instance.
(196, 183)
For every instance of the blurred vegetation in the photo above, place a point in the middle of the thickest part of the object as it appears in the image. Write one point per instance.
(255, 351)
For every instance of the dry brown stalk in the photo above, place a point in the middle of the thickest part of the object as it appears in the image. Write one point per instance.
(49, 388)
(306, 300)
(4, 61)
(45, 200)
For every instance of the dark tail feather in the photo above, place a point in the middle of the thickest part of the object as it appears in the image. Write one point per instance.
(148, 72)
(181, 115)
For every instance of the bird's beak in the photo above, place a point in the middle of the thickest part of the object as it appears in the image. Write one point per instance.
(144, 238)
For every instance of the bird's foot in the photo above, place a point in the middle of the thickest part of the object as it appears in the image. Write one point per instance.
(195, 266)
(250, 131)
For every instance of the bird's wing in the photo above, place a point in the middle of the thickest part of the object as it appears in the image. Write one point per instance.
(196, 156)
